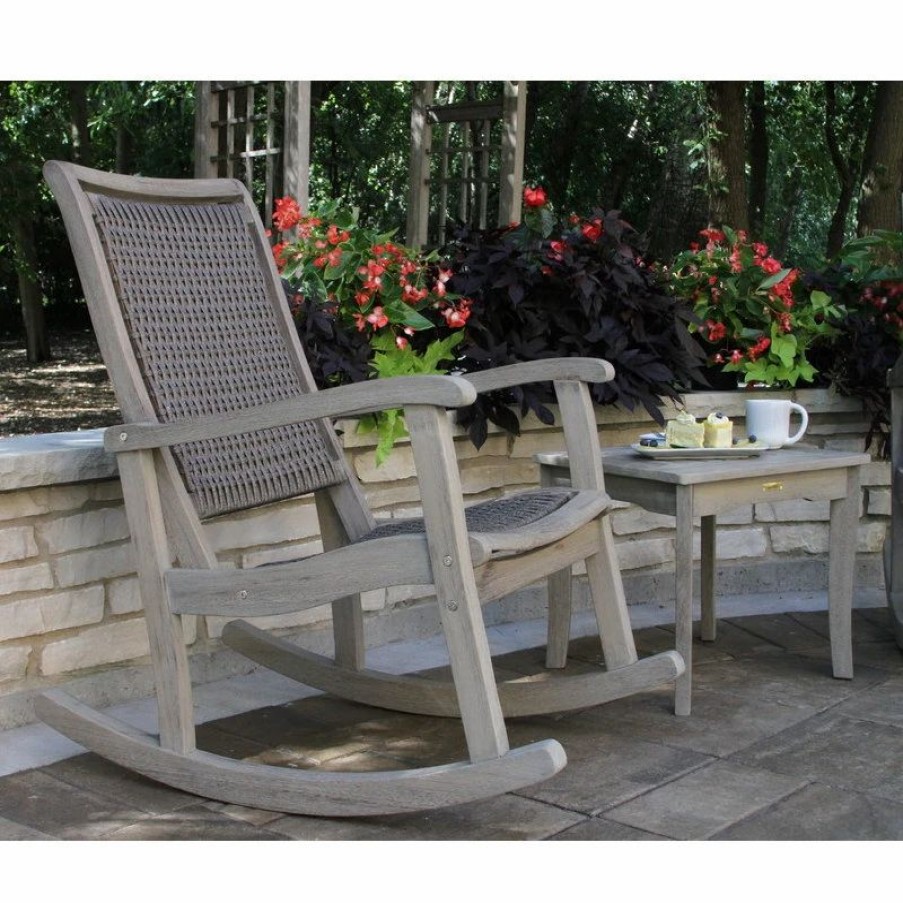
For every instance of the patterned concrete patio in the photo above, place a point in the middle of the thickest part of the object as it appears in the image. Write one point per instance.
(775, 749)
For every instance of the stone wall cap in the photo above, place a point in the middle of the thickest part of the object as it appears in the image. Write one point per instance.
(45, 459)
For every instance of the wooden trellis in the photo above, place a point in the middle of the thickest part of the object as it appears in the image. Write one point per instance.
(461, 155)
(258, 132)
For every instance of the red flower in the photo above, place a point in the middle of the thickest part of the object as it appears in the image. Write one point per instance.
(717, 331)
(771, 266)
(286, 214)
(593, 230)
(278, 250)
(535, 197)
(377, 318)
(715, 236)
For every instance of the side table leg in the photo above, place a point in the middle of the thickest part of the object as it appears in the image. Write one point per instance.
(842, 562)
(683, 595)
(707, 578)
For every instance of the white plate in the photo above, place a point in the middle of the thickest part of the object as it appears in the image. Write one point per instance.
(744, 450)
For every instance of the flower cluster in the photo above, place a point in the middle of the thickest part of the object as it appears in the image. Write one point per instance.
(886, 300)
(753, 315)
(366, 306)
(367, 281)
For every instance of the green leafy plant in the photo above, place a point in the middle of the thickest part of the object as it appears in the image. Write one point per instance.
(866, 282)
(366, 306)
(756, 318)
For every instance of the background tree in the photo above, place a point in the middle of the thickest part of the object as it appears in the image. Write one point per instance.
(758, 157)
(727, 155)
(844, 129)
(882, 172)
(784, 158)
(33, 126)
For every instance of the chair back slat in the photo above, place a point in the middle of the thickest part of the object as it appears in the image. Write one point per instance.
(199, 309)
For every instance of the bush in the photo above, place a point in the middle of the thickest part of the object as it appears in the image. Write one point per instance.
(866, 283)
(585, 292)
(757, 319)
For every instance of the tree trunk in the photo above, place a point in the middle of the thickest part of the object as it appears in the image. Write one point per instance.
(727, 155)
(623, 162)
(31, 298)
(882, 171)
(562, 159)
(758, 158)
(78, 123)
(791, 195)
(847, 161)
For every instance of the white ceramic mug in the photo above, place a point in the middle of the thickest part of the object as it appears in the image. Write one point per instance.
(769, 421)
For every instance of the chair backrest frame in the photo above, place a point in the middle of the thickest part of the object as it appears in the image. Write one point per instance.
(74, 187)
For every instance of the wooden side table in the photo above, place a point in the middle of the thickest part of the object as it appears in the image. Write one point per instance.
(686, 489)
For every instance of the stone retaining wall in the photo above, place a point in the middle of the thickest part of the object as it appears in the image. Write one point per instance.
(69, 607)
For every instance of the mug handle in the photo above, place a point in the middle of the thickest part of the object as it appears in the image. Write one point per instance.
(804, 414)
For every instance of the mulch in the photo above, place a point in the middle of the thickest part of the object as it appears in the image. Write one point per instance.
(70, 392)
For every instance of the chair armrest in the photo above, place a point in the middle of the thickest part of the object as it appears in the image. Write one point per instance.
(342, 401)
(584, 369)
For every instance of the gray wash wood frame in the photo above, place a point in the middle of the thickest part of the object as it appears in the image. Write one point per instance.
(467, 567)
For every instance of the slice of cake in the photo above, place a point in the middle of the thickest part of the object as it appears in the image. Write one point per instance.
(718, 431)
(684, 432)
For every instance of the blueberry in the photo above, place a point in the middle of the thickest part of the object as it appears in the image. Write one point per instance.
(718, 414)
(653, 443)
(644, 442)
(751, 437)
(735, 441)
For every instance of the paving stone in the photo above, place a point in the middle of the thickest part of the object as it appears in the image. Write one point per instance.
(212, 739)
(602, 829)
(865, 629)
(784, 678)
(883, 702)
(603, 770)
(885, 657)
(192, 823)
(733, 640)
(91, 773)
(878, 616)
(653, 640)
(42, 802)
(720, 724)
(706, 801)
(837, 750)
(506, 817)
(819, 812)
(781, 630)
(10, 830)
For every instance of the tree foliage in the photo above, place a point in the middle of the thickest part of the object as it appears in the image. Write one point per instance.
(639, 147)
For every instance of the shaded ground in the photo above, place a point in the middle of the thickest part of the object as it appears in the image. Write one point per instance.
(774, 750)
(70, 392)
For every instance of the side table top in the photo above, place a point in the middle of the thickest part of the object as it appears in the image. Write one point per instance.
(625, 462)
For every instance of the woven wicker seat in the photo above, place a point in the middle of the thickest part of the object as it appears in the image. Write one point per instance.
(221, 415)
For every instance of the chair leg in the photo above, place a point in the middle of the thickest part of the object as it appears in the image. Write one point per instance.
(453, 578)
(347, 613)
(609, 602)
(559, 631)
(167, 642)
(560, 605)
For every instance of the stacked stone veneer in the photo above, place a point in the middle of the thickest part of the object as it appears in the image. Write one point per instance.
(69, 606)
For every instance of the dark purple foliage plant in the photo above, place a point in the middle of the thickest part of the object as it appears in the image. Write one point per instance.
(541, 291)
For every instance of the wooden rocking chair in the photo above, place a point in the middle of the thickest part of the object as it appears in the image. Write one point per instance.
(221, 414)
